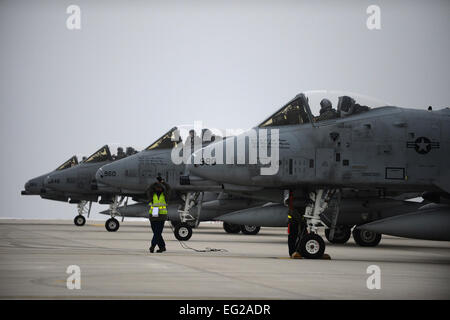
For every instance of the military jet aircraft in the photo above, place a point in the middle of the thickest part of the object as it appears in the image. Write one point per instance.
(363, 147)
(136, 173)
(78, 184)
(36, 186)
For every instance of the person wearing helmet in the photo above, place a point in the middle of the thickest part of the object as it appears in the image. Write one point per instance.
(326, 111)
(120, 153)
(193, 143)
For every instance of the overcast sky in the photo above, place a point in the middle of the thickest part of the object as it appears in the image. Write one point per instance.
(137, 68)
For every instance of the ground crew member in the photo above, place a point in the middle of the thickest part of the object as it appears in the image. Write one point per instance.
(326, 111)
(158, 193)
(296, 228)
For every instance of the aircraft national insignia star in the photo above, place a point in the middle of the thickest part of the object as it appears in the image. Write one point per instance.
(423, 145)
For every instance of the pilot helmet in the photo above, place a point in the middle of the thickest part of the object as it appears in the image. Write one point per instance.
(325, 105)
(346, 106)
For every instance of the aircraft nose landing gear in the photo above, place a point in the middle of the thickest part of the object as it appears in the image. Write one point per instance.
(83, 207)
(183, 231)
(311, 245)
(79, 220)
(112, 224)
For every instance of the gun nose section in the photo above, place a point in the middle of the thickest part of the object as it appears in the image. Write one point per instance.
(99, 175)
(26, 189)
(107, 176)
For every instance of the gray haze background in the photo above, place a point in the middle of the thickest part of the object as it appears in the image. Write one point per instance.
(136, 68)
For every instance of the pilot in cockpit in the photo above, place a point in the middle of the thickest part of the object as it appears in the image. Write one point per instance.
(193, 141)
(120, 154)
(326, 111)
(348, 107)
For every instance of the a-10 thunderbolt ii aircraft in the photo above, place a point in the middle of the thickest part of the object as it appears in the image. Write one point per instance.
(35, 186)
(80, 194)
(76, 183)
(362, 150)
(136, 173)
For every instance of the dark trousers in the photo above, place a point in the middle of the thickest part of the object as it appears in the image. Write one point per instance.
(297, 229)
(157, 228)
(292, 236)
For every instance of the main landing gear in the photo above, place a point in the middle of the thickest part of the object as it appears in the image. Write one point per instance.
(363, 238)
(341, 234)
(83, 207)
(366, 238)
(245, 229)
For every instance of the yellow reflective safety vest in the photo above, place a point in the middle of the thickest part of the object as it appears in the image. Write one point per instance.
(158, 202)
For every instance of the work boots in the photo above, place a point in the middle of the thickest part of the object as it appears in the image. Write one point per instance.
(161, 249)
(152, 249)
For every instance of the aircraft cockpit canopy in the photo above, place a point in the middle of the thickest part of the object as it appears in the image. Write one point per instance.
(321, 105)
(295, 112)
(103, 154)
(72, 162)
(333, 104)
(167, 141)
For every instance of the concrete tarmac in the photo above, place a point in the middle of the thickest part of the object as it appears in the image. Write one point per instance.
(35, 254)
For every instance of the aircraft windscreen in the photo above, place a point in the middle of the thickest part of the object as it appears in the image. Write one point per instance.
(68, 164)
(101, 155)
(167, 141)
(291, 114)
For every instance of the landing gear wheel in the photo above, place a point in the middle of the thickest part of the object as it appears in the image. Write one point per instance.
(250, 230)
(341, 234)
(183, 232)
(366, 238)
(312, 246)
(231, 228)
(79, 220)
(112, 225)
